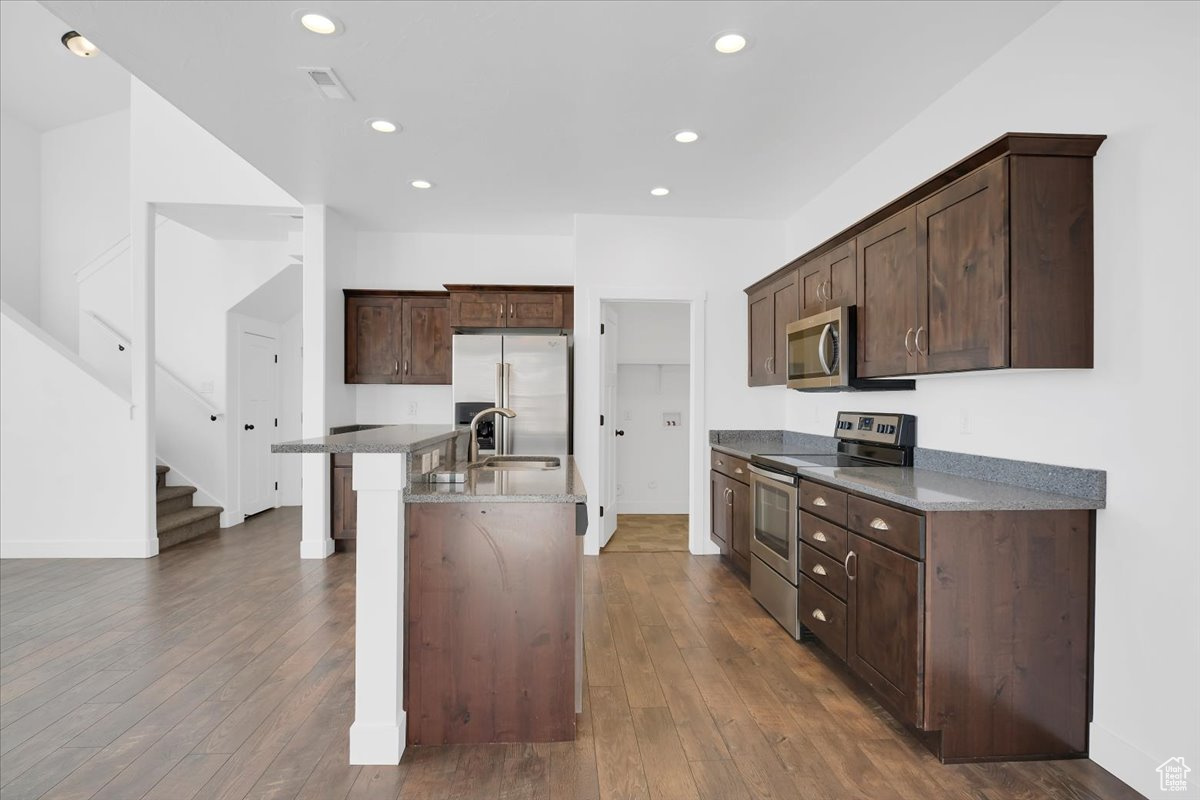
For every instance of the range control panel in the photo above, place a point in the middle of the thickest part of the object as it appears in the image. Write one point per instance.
(890, 429)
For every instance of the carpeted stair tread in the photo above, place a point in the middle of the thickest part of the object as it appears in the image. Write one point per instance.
(179, 519)
(171, 492)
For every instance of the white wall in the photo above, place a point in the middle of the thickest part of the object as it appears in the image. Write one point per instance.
(652, 333)
(21, 210)
(63, 432)
(85, 211)
(652, 459)
(1128, 70)
(714, 257)
(429, 260)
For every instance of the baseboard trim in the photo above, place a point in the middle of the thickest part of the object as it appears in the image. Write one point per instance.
(321, 548)
(78, 548)
(378, 744)
(652, 507)
(1131, 764)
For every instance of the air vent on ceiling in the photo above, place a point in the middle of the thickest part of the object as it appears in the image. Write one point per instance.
(326, 81)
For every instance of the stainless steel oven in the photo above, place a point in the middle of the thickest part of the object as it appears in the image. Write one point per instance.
(774, 546)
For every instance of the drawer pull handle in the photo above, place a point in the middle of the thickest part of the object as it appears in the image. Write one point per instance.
(819, 570)
(819, 501)
(849, 574)
(820, 536)
(818, 614)
(738, 470)
(879, 525)
(720, 463)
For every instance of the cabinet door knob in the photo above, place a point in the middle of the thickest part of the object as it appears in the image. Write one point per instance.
(820, 536)
(819, 570)
(818, 614)
(819, 501)
(879, 525)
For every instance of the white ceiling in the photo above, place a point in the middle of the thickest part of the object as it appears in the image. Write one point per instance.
(41, 82)
(524, 113)
(237, 223)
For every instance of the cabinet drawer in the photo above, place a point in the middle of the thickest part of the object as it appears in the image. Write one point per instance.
(825, 536)
(824, 615)
(827, 503)
(734, 467)
(887, 525)
(816, 566)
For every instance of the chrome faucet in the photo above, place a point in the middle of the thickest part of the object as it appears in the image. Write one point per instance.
(473, 448)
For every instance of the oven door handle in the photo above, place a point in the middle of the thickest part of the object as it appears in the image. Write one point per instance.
(774, 476)
(821, 348)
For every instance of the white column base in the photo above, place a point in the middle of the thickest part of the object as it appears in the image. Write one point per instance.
(318, 548)
(379, 730)
(372, 744)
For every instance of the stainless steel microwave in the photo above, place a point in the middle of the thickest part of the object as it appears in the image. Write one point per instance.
(821, 355)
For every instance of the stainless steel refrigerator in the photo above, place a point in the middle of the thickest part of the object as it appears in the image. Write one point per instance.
(529, 374)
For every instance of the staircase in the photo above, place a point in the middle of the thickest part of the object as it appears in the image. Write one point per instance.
(178, 519)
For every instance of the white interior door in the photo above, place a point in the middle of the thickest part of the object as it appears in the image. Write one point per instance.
(608, 437)
(258, 410)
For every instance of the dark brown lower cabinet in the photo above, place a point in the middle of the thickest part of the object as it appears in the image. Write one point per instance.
(885, 596)
(973, 628)
(343, 499)
(730, 512)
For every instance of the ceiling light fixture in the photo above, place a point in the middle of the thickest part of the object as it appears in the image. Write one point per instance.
(660, 191)
(421, 184)
(383, 126)
(729, 43)
(79, 45)
(686, 137)
(321, 24)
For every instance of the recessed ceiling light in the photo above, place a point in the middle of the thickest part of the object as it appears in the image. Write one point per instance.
(660, 191)
(320, 23)
(686, 137)
(383, 126)
(728, 43)
(421, 184)
(79, 45)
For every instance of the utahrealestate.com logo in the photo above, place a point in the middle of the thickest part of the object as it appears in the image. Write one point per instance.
(1172, 775)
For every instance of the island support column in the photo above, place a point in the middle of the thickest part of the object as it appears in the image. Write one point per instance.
(379, 730)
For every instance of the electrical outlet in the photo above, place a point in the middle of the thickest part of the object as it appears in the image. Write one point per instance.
(628, 416)
(437, 458)
(206, 387)
(652, 485)
(964, 422)
(412, 409)
(426, 462)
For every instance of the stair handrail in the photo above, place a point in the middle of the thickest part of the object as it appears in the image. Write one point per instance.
(108, 255)
(123, 343)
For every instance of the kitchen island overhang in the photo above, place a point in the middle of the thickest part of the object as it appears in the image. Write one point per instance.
(384, 461)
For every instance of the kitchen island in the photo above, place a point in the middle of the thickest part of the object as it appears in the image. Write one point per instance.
(483, 575)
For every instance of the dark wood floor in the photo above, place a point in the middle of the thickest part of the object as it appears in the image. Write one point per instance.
(224, 669)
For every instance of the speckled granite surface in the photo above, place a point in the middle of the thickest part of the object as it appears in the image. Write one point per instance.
(925, 490)
(747, 443)
(385, 439)
(562, 485)
(940, 480)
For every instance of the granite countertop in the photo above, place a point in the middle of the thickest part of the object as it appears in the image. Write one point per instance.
(562, 485)
(383, 439)
(940, 481)
(926, 490)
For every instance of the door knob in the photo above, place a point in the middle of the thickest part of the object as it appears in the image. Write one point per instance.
(620, 433)
(248, 427)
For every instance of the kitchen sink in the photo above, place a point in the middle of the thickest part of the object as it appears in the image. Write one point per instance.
(517, 462)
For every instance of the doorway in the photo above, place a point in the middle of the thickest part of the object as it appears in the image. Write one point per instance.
(648, 396)
(258, 417)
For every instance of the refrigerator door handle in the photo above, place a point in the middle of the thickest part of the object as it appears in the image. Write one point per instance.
(507, 423)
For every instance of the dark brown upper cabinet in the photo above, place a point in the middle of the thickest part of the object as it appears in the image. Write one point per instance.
(373, 334)
(397, 337)
(887, 285)
(426, 340)
(986, 265)
(829, 280)
(473, 306)
(771, 309)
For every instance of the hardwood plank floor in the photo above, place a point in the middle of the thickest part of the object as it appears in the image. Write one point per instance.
(224, 669)
(649, 533)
